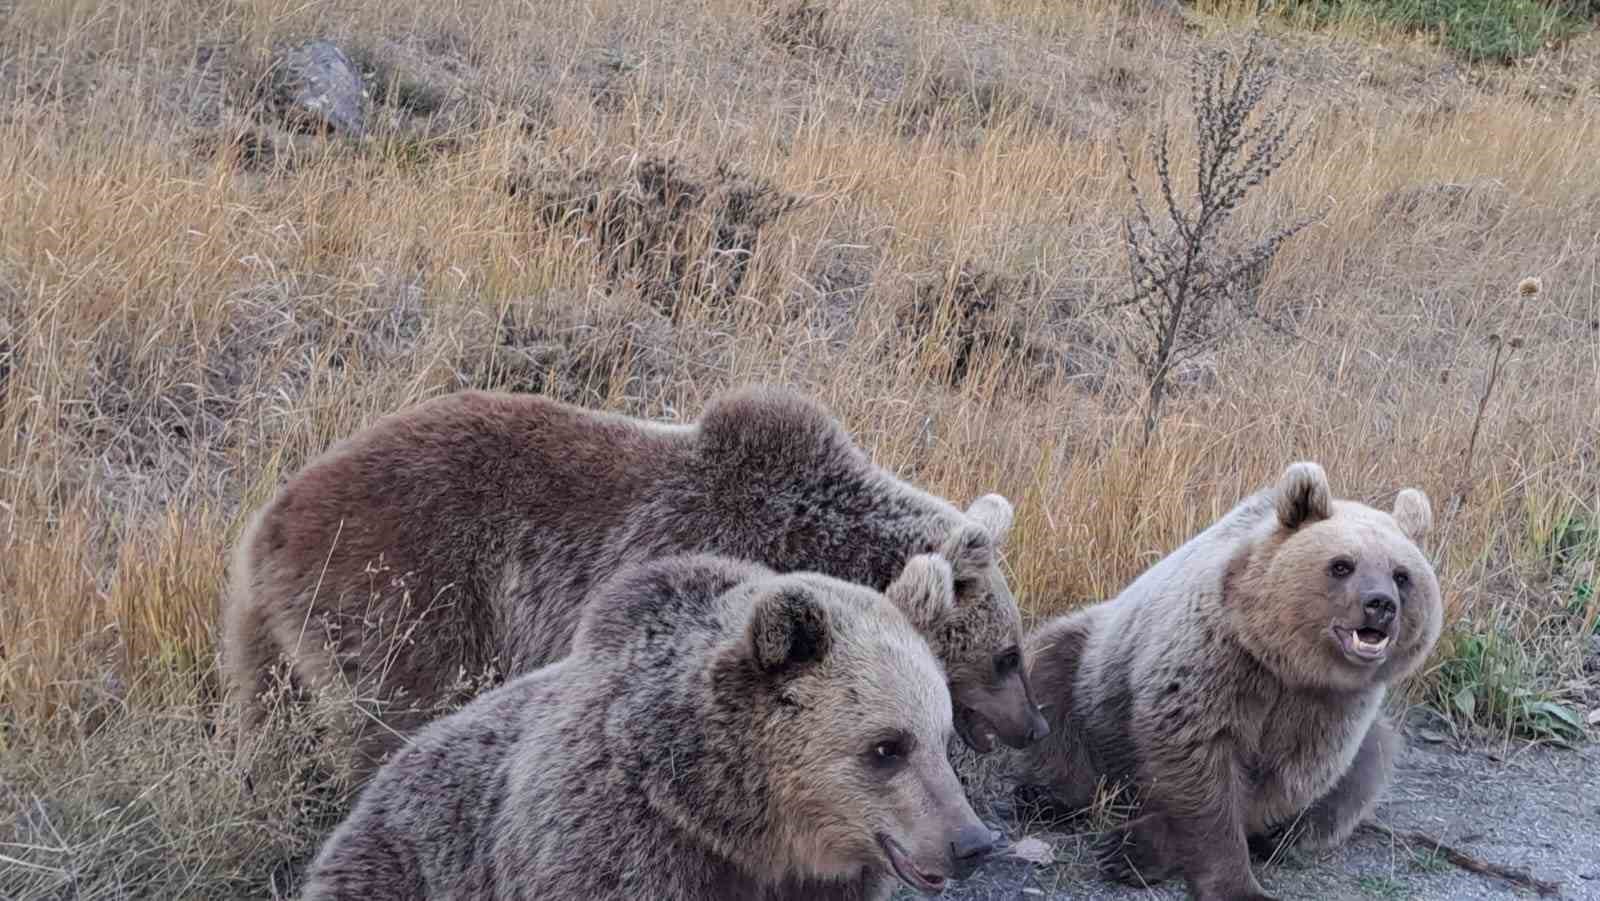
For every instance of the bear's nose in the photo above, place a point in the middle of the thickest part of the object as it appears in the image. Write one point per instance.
(1380, 609)
(973, 845)
(1038, 727)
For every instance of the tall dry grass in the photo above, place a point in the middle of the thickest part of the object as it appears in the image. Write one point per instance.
(181, 327)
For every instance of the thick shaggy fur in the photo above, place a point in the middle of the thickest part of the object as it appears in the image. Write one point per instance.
(459, 537)
(1221, 685)
(719, 731)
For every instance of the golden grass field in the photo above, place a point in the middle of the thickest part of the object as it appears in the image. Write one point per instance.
(187, 316)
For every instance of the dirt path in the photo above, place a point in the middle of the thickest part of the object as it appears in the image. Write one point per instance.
(1536, 809)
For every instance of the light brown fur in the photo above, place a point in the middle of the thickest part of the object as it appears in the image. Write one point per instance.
(1220, 688)
(719, 731)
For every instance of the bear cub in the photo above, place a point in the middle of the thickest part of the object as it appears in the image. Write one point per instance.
(718, 731)
(1236, 685)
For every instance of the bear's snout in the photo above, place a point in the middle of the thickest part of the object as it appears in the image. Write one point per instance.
(1378, 610)
(972, 846)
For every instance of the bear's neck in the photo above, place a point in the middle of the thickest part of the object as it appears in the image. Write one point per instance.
(845, 517)
(692, 742)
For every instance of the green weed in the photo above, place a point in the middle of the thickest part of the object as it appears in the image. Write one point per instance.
(1492, 681)
(1382, 887)
(1480, 30)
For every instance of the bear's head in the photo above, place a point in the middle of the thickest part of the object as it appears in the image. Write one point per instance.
(980, 640)
(855, 739)
(1335, 595)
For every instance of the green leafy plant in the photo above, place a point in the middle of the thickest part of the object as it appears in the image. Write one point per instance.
(1488, 680)
(1502, 31)
(1571, 548)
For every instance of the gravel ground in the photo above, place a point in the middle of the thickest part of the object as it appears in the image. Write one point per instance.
(1536, 809)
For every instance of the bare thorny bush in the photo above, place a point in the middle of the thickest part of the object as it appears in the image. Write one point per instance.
(1513, 316)
(1185, 273)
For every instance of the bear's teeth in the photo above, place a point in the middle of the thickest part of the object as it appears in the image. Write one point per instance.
(1365, 645)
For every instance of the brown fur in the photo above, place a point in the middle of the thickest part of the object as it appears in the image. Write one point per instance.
(1218, 688)
(718, 732)
(459, 538)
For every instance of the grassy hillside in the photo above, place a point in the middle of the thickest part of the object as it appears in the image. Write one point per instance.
(913, 209)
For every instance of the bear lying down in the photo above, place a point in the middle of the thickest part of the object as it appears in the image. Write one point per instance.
(462, 535)
(719, 731)
(1237, 684)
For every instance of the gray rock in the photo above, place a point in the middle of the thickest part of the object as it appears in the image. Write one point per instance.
(316, 87)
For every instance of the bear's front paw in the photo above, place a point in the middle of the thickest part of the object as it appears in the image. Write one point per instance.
(1122, 857)
(1315, 840)
(1272, 844)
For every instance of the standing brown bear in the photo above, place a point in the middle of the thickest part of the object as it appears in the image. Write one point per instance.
(719, 731)
(460, 536)
(1237, 684)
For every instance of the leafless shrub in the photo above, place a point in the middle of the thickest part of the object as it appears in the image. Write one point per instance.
(659, 229)
(579, 351)
(1185, 273)
(1508, 339)
(977, 326)
(807, 27)
(965, 316)
(952, 96)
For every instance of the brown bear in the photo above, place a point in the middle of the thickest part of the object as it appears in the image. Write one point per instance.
(719, 731)
(459, 537)
(1236, 685)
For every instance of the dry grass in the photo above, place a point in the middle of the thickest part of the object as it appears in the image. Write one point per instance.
(193, 301)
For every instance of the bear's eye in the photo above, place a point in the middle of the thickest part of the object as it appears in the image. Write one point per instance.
(1401, 578)
(1007, 661)
(1341, 568)
(890, 752)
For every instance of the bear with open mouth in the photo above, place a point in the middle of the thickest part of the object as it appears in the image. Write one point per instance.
(719, 731)
(1236, 685)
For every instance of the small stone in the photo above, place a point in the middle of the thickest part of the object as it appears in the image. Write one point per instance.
(1035, 851)
(317, 87)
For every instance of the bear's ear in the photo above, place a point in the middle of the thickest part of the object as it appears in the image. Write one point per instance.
(995, 514)
(1413, 513)
(789, 629)
(924, 591)
(1303, 495)
(970, 550)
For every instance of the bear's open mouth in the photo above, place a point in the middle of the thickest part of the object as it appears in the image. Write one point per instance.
(900, 862)
(1365, 644)
(974, 729)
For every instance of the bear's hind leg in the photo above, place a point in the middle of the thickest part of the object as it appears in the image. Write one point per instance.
(249, 655)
